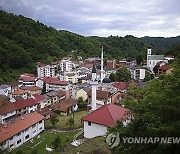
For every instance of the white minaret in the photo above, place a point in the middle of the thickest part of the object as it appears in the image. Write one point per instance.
(102, 71)
(148, 55)
(94, 84)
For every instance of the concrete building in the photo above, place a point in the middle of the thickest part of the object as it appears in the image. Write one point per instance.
(21, 130)
(44, 70)
(152, 60)
(66, 65)
(7, 111)
(97, 122)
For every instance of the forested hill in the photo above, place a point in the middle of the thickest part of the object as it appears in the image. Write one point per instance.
(24, 41)
(161, 44)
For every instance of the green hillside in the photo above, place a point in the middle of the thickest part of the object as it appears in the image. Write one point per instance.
(161, 44)
(23, 42)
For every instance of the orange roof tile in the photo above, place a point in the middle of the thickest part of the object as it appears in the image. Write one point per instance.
(18, 92)
(19, 125)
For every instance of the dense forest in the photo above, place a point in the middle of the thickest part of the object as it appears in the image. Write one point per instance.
(23, 42)
(161, 44)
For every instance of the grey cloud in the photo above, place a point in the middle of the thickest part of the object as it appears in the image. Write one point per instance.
(101, 17)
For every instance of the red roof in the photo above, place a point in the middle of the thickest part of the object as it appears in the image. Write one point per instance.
(19, 125)
(25, 103)
(6, 107)
(120, 85)
(27, 78)
(164, 67)
(58, 82)
(107, 115)
(47, 79)
(38, 97)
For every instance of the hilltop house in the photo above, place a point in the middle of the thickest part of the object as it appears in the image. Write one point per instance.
(97, 122)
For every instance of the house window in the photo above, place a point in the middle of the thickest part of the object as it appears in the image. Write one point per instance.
(34, 131)
(19, 141)
(89, 123)
(11, 145)
(26, 137)
(40, 128)
(33, 125)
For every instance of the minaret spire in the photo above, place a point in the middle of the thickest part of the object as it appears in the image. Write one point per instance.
(94, 84)
(102, 70)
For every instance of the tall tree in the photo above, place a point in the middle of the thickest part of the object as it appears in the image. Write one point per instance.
(123, 74)
(54, 120)
(156, 109)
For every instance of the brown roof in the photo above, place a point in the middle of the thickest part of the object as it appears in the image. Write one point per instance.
(6, 107)
(45, 111)
(100, 95)
(19, 125)
(60, 93)
(64, 105)
(18, 92)
(33, 88)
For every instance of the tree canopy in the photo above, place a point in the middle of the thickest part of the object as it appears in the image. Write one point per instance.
(156, 111)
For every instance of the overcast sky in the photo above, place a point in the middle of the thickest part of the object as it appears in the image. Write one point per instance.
(103, 17)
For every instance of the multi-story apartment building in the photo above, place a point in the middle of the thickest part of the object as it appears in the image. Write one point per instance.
(66, 66)
(45, 70)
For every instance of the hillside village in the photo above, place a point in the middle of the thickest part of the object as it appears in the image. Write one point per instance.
(58, 88)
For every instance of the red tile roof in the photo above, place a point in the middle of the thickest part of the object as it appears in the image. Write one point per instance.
(60, 93)
(6, 107)
(120, 85)
(33, 88)
(19, 125)
(164, 67)
(100, 95)
(64, 105)
(18, 92)
(107, 115)
(47, 79)
(27, 78)
(46, 111)
(58, 82)
(38, 97)
(25, 103)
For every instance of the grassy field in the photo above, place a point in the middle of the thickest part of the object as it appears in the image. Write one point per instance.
(62, 124)
(46, 138)
(96, 145)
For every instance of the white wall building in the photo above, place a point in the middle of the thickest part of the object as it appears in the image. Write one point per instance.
(45, 70)
(21, 130)
(137, 73)
(66, 66)
(5, 89)
(97, 122)
(7, 111)
(152, 60)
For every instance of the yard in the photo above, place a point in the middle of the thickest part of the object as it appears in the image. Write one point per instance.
(45, 138)
(95, 145)
(62, 124)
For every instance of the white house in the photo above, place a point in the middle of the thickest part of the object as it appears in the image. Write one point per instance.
(7, 111)
(5, 89)
(152, 60)
(21, 130)
(97, 122)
